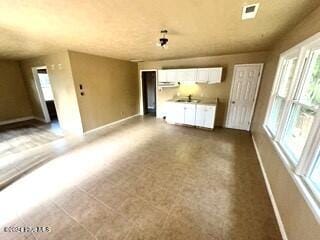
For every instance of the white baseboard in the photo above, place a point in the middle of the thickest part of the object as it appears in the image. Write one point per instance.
(40, 119)
(273, 201)
(110, 124)
(16, 120)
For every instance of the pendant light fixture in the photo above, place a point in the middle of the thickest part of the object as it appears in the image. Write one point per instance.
(163, 40)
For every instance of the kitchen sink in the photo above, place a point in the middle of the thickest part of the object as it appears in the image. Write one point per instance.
(188, 101)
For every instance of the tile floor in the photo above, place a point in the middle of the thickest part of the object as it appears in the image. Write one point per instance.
(145, 179)
(22, 143)
(18, 137)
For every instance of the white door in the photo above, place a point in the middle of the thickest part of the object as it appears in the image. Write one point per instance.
(243, 95)
(190, 114)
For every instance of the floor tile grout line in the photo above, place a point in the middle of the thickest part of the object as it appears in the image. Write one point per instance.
(24, 222)
(96, 199)
(131, 223)
(73, 218)
(116, 210)
(129, 193)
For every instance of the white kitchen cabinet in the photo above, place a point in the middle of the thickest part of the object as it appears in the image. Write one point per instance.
(209, 116)
(189, 114)
(162, 76)
(167, 76)
(171, 76)
(200, 112)
(200, 75)
(205, 116)
(215, 75)
(209, 75)
(175, 113)
(186, 75)
(203, 75)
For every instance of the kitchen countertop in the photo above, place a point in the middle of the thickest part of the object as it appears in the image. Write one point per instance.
(212, 102)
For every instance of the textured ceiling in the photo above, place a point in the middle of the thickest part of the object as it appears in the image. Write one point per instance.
(129, 29)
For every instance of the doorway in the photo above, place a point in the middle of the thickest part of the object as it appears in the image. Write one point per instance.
(46, 97)
(244, 91)
(149, 88)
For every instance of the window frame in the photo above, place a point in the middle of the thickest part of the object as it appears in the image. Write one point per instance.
(300, 171)
(284, 57)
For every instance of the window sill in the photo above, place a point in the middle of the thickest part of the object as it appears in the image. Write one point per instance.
(301, 183)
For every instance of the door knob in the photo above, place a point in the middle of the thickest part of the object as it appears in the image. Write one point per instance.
(233, 102)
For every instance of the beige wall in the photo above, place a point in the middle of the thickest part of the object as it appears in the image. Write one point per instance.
(111, 89)
(60, 75)
(14, 99)
(220, 90)
(297, 217)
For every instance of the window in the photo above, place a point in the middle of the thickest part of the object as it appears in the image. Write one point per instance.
(297, 131)
(288, 69)
(45, 86)
(293, 117)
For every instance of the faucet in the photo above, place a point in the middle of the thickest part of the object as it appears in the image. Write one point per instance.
(189, 97)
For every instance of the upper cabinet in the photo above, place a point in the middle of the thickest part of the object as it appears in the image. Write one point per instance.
(187, 75)
(162, 76)
(167, 76)
(172, 76)
(199, 75)
(209, 75)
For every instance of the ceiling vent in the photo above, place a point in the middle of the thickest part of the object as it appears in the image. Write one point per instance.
(250, 11)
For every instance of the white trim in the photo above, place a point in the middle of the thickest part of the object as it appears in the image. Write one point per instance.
(273, 90)
(299, 173)
(40, 93)
(141, 93)
(301, 184)
(16, 120)
(40, 119)
(299, 50)
(227, 124)
(273, 201)
(110, 124)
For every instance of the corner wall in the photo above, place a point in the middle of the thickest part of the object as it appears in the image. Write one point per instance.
(110, 86)
(220, 90)
(14, 99)
(298, 220)
(61, 79)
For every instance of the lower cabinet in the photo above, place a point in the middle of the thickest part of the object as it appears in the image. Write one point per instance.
(205, 115)
(175, 113)
(191, 114)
